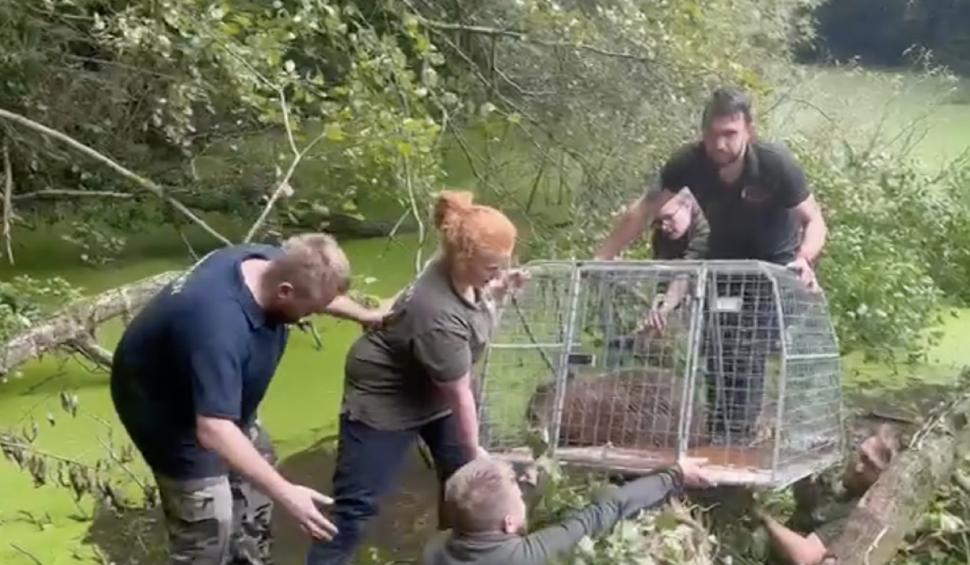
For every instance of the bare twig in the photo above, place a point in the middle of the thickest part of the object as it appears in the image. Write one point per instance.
(188, 246)
(282, 187)
(131, 474)
(40, 452)
(90, 350)
(51, 194)
(286, 124)
(525, 38)
(145, 183)
(7, 201)
(27, 554)
(284, 184)
(412, 200)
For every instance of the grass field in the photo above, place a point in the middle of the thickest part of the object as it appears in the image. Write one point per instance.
(301, 407)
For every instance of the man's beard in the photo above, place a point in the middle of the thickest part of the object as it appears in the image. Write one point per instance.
(280, 316)
(734, 159)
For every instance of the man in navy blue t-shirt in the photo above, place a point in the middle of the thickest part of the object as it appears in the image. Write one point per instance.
(189, 374)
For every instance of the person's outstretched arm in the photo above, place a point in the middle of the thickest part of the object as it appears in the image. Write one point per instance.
(627, 227)
(796, 548)
(647, 492)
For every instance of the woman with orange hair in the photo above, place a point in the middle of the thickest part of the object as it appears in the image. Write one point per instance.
(413, 376)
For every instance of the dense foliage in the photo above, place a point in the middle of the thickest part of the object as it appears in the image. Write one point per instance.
(896, 253)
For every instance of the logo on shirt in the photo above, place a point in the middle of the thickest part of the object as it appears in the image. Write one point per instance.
(754, 194)
(179, 282)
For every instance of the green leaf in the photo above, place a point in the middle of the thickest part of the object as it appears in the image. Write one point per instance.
(334, 132)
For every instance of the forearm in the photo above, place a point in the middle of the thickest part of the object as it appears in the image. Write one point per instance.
(649, 492)
(794, 547)
(345, 308)
(626, 229)
(675, 293)
(813, 240)
(593, 520)
(462, 404)
(546, 544)
(228, 441)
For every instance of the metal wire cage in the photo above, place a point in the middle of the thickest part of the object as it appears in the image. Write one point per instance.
(745, 372)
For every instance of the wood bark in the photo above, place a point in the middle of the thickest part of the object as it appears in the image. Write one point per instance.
(889, 510)
(88, 348)
(75, 324)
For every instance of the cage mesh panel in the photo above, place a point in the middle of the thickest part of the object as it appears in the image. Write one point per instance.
(810, 422)
(760, 342)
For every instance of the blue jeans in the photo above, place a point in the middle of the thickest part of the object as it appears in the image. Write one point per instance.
(368, 463)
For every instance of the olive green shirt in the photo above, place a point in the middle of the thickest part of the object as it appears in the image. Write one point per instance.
(432, 335)
(498, 548)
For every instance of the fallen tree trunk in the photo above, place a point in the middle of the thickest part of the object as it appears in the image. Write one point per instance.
(76, 323)
(889, 510)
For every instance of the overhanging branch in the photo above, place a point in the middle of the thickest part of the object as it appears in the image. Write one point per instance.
(525, 38)
(54, 194)
(141, 181)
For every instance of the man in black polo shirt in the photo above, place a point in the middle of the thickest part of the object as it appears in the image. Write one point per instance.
(189, 374)
(756, 200)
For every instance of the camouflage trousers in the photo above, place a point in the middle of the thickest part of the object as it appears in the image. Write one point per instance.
(219, 520)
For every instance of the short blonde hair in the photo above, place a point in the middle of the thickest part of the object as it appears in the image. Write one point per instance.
(480, 495)
(312, 263)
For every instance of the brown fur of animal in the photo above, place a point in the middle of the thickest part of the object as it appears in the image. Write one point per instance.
(631, 408)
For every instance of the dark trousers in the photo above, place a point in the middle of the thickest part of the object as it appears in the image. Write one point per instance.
(738, 345)
(368, 463)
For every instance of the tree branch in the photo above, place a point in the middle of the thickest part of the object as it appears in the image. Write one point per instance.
(53, 193)
(145, 183)
(520, 36)
(90, 350)
(281, 188)
(284, 184)
(79, 320)
(7, 201)
(27, 554)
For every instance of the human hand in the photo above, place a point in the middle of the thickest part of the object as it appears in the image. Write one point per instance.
(372, 319)
(304, 505)
(510, 283)
(480, 452)
(656, 320)
(529, 475)
(692, 474)
(805, 273)
(760, 513)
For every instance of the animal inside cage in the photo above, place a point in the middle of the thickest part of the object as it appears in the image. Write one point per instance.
(745, 372)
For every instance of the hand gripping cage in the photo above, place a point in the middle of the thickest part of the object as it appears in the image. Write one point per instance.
(745, 372)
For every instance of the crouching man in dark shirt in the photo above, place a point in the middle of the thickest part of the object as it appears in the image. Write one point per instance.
(489, 515)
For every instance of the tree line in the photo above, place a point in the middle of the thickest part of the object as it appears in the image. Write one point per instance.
(885, 32)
